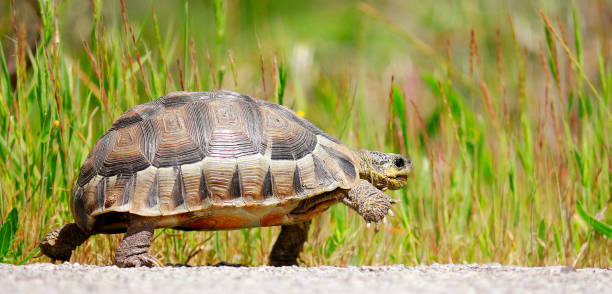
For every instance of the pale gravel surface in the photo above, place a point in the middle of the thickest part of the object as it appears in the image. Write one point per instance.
(438, 278)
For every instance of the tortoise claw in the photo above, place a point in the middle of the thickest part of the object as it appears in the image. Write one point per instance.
(139, 260)
(376, 225)
(155, 262)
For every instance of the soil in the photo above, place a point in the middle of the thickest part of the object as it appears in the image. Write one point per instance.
(437, 278)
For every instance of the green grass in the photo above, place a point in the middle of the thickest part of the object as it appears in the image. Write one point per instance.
(505, 110)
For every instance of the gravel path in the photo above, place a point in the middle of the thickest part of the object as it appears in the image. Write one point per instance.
(492, 278)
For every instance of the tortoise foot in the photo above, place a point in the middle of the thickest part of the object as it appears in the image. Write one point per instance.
(371, 203)
(375, 207)
(133, 251)
(144, 259)
(59, 243)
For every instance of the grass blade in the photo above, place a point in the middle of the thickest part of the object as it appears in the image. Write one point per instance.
(599, 226)
(399, 109)
(220, 20)
(282, 82)
(7, 233)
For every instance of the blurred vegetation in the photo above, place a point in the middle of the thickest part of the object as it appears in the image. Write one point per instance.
(504, 107)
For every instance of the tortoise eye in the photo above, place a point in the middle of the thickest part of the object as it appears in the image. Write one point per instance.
(399, 162)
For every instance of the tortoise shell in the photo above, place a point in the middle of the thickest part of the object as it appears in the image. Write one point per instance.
(210, 160)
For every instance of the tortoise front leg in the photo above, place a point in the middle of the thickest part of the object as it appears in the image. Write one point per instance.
(289, 244)
(371, 203)
(134, 249)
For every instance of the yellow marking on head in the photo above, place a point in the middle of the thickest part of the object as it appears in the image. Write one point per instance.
(391, 172)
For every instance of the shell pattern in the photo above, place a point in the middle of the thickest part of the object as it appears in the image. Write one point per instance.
(201, 151)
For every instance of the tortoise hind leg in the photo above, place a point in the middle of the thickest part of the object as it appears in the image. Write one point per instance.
(59, 243)
(134, 248)
(289, 244)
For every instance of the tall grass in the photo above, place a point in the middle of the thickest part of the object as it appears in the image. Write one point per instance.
(508, 122)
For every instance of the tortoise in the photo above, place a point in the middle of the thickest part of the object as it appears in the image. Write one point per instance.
(219, 160)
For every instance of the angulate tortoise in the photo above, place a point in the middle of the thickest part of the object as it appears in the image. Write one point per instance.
(214, 161)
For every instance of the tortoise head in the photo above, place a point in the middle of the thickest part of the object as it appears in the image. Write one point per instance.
(384, 170)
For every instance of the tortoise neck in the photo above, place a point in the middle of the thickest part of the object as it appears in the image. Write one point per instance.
(365, 164)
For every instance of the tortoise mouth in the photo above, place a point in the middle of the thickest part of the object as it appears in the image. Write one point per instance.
(397, 182)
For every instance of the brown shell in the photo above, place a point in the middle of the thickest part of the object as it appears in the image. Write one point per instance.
(209, 160)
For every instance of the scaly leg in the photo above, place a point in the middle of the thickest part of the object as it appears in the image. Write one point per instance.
(134, 249)
(59, 243)
(289, 244)
(371, 203)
